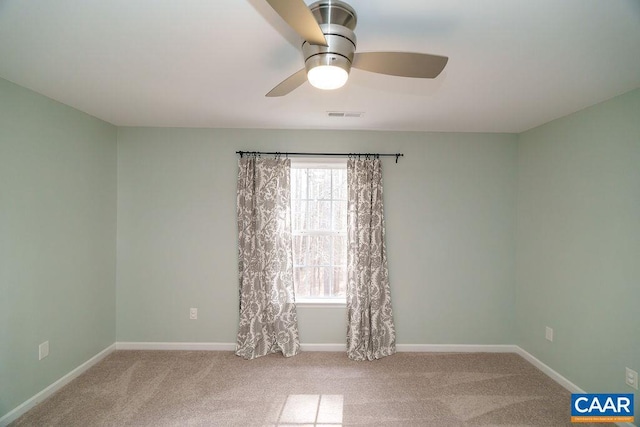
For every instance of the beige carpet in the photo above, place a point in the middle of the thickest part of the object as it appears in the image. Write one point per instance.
(206, 388)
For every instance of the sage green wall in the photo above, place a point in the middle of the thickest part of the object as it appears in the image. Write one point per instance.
(578, 244)
(57, 240)
(450, 212)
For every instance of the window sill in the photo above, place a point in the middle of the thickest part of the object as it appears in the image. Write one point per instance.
(321, 303)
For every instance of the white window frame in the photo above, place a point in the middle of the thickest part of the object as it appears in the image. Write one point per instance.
(319, 163)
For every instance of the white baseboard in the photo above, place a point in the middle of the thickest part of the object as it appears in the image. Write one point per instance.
(433, 348)
(548, 371)
(554, 375)
(456, 348)
(21, 409)
(323, 347)
(190, 346)
(213, 346)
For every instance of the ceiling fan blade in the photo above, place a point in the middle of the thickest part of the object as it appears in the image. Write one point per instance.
(299, 17)
(289, 84)
(404, 64)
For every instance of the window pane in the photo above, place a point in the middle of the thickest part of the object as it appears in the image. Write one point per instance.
(339, 288)
(322, 281)
(298, 183)
(340, 250)
(324, 215)
(312, 221)
(298, 214)
(339, 184)
(340, 216)
(299, 250)
(301, 279)
(314, 282)
(312, 250)
(323, 250)
(319, 183)
(318, 216)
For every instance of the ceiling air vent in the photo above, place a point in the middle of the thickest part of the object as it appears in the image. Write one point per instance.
(345, 113)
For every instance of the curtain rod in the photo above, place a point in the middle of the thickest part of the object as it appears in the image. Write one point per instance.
(285, 153)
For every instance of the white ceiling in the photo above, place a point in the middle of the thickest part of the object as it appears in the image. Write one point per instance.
(513, 64)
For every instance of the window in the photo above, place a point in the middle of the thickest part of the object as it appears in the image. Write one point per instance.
(319, 229)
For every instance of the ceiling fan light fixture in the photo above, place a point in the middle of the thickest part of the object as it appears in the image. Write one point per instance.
(328, 66)
(329, 56)
(327, 77)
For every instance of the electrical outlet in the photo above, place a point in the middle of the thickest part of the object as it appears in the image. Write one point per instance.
(43, 350)
(193, 314)
(548, 334)
(631, 378)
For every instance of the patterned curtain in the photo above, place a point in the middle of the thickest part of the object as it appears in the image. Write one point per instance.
(268, 320)
(370, 331)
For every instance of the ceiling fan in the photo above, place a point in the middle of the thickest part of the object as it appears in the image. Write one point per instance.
(329, 48)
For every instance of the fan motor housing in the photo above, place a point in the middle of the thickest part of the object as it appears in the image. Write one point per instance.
(341, 47)
(334, 12)
(337, 21)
